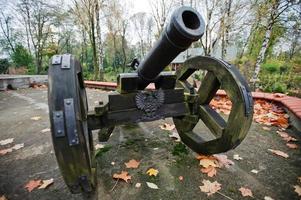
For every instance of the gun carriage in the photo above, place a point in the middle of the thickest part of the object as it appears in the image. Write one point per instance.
(173, 96)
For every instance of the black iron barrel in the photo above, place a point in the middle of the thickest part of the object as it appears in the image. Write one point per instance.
(186, 26)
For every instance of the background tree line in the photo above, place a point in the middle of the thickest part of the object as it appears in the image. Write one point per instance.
(106, 35)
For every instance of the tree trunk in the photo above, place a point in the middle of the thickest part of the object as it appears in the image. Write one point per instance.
(99, 41)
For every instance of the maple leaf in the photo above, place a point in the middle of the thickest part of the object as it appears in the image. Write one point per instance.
(223, 160)
(297, 189)
(152, 172)
(132, 164)
(123, 175)
(245, 192)
(208, 162)
(167, 126)
(210, 171)
(32, 184)
(210, 187)
(36, 118)
(237, 157)
(152, 185)
(292, 146)
(279, 153)
(7, 141)
(3, 197)
(46, 183)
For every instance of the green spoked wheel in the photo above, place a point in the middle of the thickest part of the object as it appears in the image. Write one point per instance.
(227, 134)
(72, 141)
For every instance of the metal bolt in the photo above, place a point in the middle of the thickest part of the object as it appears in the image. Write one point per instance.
(65, 66)
(100, 102)
(57, 115)
(68, 102)
(59, 132)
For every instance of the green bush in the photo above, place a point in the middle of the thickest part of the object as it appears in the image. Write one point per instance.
(21, 57)
(4, 65)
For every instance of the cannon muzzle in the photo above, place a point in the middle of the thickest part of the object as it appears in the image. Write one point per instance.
(186, 26)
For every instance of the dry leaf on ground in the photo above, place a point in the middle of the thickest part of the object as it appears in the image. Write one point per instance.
(279, 153)
(286, 137)
(254, 171)
(210, 171)
(237, 157)
(36, 118)
(208, 162)
(3, 197)
(152, 172)
(210, 187)
(18, 146)
(245, 192)
(138, 185)
(223, 160)
(8, 150)
(99, 146)
(268, 198)
(45, 130)
(181, 178)
(132, 164)
(123, 176)
(292, 145)
(32, 184)
(46, 183)
(266, 128)
(175, 136)
(299, 178)
(6, 141)
(152, 185)
(298, 189)
(167, 126)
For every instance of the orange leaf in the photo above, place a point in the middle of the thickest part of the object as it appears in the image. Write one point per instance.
(167, 126)
(279, 153)
(132, 164)
(223, 160)
(210, 171)
(32, 184)
(46, 183)
(292, 146)
(123, 175)
(245, 192)
(3, 197)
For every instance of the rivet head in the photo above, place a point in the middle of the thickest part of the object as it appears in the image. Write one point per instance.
(59, 131)
(57, 115)
(68, 102)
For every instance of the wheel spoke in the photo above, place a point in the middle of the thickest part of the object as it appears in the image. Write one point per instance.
(208, 88)
(212, 120)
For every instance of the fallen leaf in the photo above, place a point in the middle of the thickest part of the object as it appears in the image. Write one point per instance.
(152, 172)
(32, 184)
(223, 160)
(286, 137)
(123, 175)
(5, 151)
(46, 183)
(7, 141)
(99, 146)
(132, 164)
(3, 197)
(266, 128)
(167, 126)
(279, 153)
(112, 163)
(245, 192)
(297, 189)
(210, 187)
(152, 185)
(208, 162)
(254, 171)
(210, 171)
(181, 178)
(36, 118)
(45, 130)
(292, 145)
(268, 198)
(138, 185)
(237, 157)
(18, 146)
(175, 136)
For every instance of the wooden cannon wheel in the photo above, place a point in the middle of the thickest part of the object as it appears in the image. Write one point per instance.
(72, 141)
(219, 75)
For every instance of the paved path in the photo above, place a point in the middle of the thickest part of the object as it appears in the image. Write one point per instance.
(143, 141)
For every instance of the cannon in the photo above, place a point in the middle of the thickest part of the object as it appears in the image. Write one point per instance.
(173, 96)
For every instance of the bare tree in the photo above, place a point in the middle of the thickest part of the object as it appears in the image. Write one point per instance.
(7, 31)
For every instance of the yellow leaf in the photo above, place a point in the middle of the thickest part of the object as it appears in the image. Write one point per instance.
(152, 172)
(208, 162)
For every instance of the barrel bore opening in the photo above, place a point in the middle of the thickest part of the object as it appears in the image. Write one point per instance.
(190, 20)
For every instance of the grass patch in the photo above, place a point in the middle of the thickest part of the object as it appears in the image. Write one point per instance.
(179, 150)
(101, 151)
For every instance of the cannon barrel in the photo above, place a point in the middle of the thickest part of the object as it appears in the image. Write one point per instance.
(186, 26)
